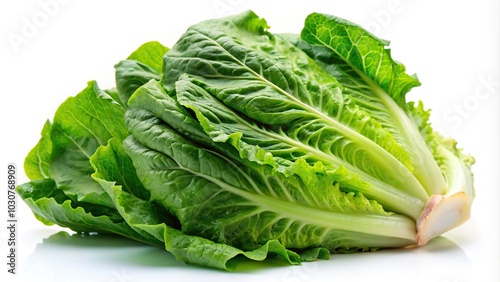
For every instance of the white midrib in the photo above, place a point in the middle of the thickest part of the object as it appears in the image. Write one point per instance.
(389, 226)
(426, 169)
(381, 191)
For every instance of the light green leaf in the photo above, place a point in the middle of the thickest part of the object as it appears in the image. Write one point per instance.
(362, 50)
(150, 54)
(117, 176)
(37, 162)
(198, 250)
(81, 124)
(374, 82)
(50, 205)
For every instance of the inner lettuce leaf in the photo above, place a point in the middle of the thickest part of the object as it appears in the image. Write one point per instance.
(374, 81)
(240, 144)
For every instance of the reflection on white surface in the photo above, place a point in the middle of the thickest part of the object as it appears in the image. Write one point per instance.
(75, 257)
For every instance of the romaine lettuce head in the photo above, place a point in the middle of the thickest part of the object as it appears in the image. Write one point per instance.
(240, 143)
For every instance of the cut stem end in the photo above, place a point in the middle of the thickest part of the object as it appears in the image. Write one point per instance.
(442, 213)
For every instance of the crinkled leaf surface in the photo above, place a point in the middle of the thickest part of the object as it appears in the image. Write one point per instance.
(215, 197)
(277, 92)
(373, 81)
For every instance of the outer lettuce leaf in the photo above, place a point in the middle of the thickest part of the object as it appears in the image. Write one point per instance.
(50, 205)
(198, 250)
(81, 124)
(62, 157)
(142, 65)
(116, 174)
(149, 220)
(62, 190)
(37, 162)
(363, 51)
(130, 75)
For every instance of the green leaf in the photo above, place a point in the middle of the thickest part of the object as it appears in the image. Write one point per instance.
(362, 50)
(113, 93)
(151, 98)
(198, 250)
(111, 163)
(37, 162)
(141, 66)
(130, 75)
(150, 54)
(82, 124)
(50, 205)
(374, 82)
(117, 176)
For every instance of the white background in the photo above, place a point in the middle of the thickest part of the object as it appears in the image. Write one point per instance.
(50, 51)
